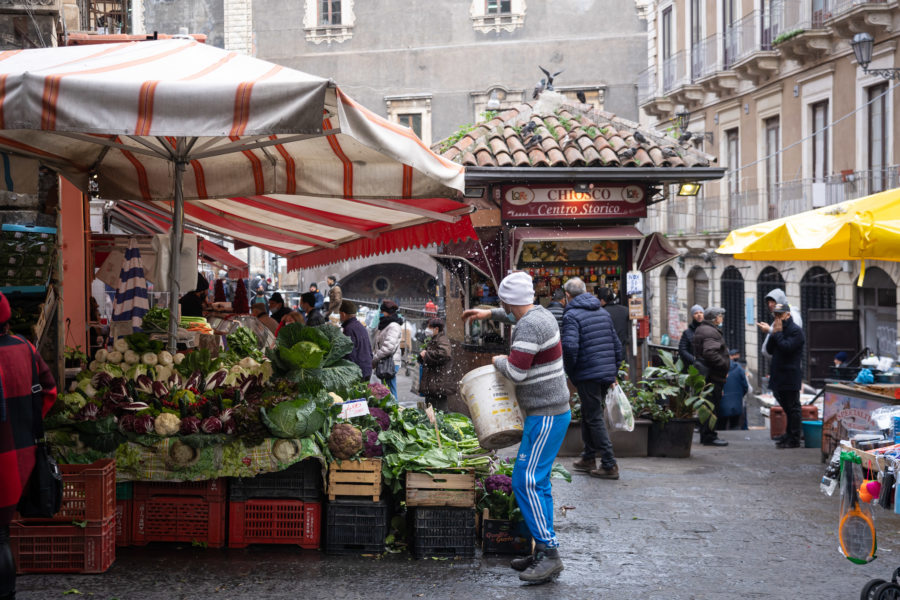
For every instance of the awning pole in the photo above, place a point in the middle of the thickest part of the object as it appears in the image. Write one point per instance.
(177, 235)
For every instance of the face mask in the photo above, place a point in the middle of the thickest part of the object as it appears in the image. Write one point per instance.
(429, 333)
(511, 317)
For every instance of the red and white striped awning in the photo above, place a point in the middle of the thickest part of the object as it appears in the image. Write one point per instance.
(261, 153)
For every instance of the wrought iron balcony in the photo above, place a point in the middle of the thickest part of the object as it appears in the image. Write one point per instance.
(847, 17)
(798, 28)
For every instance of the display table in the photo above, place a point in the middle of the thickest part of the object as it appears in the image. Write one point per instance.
(848, 409)
(169, 459)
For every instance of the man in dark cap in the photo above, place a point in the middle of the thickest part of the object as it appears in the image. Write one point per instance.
(361, 354)
(711, 357)
(193, 302)
(785, 345)
(277, 307)
(314, 315)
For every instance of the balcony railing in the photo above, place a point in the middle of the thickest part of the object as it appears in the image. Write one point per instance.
(838, 7)
(674, 72)
(646, 85)
(718, 214)
(679, 221)
(706, 57)
(711, 216)
(796, 16)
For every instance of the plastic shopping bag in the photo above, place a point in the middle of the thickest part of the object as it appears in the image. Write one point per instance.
(415, 378)
(618, 410)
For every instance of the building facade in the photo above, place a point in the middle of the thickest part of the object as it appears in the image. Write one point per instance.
(772, 88)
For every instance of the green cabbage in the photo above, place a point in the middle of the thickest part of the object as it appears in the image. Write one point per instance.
(293, 419)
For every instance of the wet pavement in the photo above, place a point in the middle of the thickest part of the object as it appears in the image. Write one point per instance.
(746, 521)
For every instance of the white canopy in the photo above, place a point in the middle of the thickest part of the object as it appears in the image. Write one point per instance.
(265, 154)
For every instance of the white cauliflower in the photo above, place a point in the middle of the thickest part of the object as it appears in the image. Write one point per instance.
(165, 358)
(101, 355)
(167, 424)
(114, 357)
(131, 357)
(120, 345)
(149, 359)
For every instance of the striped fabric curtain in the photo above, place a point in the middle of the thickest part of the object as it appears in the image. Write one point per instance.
(131, 302)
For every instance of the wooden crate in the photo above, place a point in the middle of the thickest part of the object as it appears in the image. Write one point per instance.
(355, 478)
(441, 489)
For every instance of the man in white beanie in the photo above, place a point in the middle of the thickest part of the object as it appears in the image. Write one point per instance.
(535, 365)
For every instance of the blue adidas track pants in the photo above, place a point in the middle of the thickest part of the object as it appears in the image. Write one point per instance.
(541, 441)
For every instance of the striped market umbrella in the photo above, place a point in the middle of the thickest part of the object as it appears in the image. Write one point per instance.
(131, 303)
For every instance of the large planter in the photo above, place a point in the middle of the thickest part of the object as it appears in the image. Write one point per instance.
(672, 439)
(626, 444)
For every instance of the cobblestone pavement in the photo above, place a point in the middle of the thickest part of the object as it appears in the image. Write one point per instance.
(746, 521)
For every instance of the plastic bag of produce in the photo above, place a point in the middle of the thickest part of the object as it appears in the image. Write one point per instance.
(618, 410)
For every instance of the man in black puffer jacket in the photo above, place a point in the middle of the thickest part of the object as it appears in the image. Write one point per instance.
(785, 344)
(711, 351)
(591, 356)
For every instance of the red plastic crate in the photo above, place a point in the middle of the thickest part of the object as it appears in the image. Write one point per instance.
(211, 489)
(123, 522)
(55, 548)
(178, 519)
(275, 522)
(89, 492)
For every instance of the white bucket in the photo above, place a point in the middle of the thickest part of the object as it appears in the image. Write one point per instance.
(492, 403)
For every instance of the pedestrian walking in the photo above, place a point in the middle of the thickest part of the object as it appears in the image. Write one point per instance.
(557, 306)
(686, 343)
(387, 341)
(535, 366)
(437, 383)
(27, 392)
(731, 409)
(361, 355)
(711, 359)
(591, 356)
(785, 345)
(335, 296)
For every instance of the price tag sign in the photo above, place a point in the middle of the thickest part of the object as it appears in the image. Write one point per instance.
(354, 408)
(634, 283)
(636, 307)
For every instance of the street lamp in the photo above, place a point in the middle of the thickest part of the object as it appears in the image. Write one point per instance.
(682, 118)
(862, 47)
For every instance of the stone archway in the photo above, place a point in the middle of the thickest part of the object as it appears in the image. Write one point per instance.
(877, 304)
(406, 285)
(733, 303)
(768, 280)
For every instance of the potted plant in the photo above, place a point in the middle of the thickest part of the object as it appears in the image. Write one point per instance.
(74, 357)
(674, 400)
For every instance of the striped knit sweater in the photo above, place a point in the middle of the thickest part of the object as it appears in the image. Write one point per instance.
(535, 363)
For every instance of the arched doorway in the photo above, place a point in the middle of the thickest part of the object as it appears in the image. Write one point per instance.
(668, 305)
(817, 291)
(698, 288)
(768, 280)
(733, 303)
(877, 304)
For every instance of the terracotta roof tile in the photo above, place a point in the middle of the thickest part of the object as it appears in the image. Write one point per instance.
(570, 136)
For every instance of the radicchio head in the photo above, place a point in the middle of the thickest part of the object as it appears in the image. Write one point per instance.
(211, 425)
(190, 425)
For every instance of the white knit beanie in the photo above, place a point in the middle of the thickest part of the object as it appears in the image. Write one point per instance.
(516, 289)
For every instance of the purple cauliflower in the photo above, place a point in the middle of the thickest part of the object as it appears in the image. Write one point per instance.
(384, 421)
(371, 447)
(190, 425)
(211, 425)
(379, 391)
(499, 482)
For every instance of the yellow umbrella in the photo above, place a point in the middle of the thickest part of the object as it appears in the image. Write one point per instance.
(856, 229)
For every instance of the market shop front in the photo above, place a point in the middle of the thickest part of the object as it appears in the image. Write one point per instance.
(560, 195)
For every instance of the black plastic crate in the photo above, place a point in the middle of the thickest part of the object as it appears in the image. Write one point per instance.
(300, 481)
(356, 526)
(443, 531)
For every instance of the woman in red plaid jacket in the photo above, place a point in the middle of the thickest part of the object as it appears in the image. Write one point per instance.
(16, 432)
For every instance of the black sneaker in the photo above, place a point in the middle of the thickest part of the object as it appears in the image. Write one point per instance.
(780, 438)
(545, 567)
